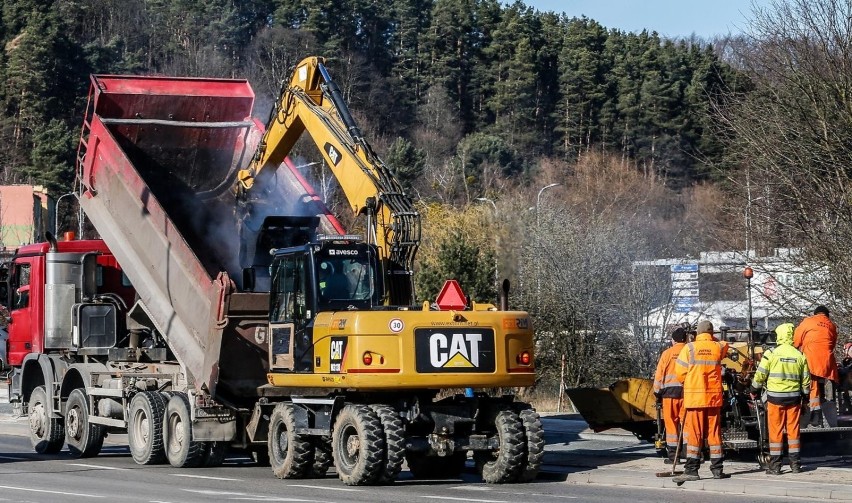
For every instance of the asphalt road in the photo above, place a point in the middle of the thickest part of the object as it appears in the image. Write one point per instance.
(113, 476)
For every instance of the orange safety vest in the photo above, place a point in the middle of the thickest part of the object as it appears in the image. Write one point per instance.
(665, 379)
(699, 368)
(816, 337)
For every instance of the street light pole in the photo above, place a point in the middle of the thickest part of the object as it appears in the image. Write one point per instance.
(538, 200)
(56, 212)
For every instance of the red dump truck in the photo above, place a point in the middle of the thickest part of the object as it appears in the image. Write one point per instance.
(194, 326)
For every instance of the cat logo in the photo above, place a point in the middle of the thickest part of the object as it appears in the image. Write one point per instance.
(332, 153)
(337, 352)
(457, 350)
(454, 349)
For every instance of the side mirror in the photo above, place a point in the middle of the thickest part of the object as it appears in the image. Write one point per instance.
(249, 278)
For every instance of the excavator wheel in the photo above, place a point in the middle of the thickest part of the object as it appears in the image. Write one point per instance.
(290, 454)
(145, 427)
(534, 433)
(323, 457)
(84, 439)
(507, 463)
(47, 434)
(358, 445)
(181, 450)
(394, 453)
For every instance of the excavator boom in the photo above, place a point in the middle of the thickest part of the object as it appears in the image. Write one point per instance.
(312, 102)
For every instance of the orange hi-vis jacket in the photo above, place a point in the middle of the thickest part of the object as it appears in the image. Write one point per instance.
(699, 368)
(816, 337)
(665, 380)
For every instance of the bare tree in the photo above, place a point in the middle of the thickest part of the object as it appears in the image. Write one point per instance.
(791, 135)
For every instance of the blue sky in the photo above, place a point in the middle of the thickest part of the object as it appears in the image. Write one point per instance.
(672, 18)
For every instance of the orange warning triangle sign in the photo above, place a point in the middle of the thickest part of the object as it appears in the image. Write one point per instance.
(451, 296)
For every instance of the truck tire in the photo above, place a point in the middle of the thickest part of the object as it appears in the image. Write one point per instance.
(84, 439)
(394, 453)
(505, 465)
(358, 445)
(181, 450)
(322, 456)
(290, 455)
(423, 467)
(47, 434)
(534, 433)
(145, 427)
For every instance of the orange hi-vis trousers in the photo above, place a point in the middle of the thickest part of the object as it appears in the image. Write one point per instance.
(699, 424)
(817, 386)
(780, 418)
(672, 417)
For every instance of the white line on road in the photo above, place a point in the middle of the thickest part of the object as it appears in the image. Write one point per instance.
(204, 477)
(345, 489)
(243, 496)
(445, 498)
(471, 488)
(99, 467)
(27, 489)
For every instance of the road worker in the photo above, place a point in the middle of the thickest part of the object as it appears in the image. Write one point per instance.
(669, 391)
(699, 368)
(816, 337)
(784, 372)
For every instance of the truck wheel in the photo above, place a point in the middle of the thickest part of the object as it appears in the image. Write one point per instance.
(358, 445)
(181, 450)
(394, 453)
(290, 454)
(214, 454)
(422, 466)
(534, 433)
(322, 457)
(506, 463)
(145, 427)
(47, 434)
(84, 439)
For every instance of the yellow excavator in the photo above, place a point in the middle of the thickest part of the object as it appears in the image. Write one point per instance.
(358, 373)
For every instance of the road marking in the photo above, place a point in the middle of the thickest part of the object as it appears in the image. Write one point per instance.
(204, 477)
(84, 465)
(463, 499)
(244, 496)
(63, 493)
(472, 488)
(344, 489)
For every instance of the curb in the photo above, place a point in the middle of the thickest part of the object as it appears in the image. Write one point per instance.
(743, 486)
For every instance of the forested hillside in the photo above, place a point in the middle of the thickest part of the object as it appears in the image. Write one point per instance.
(468, 82)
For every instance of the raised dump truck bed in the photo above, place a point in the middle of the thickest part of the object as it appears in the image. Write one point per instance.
(158, 159)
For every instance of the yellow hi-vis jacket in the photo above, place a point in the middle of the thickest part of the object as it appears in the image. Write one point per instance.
(783, 370)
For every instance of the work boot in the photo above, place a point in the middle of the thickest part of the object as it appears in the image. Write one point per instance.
(773, 467)
(719, 474)
(686, 477)
(795, 463)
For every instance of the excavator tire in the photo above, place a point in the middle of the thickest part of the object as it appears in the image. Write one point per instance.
(291, 455)
(323, 457)
(145, 427)
(358, 445)
(534, 433)
(47, 434)
(394, 453)
(84, 439)
(181, 450)
(504, 465)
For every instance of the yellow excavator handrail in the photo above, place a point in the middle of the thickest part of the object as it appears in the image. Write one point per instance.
(312, 102)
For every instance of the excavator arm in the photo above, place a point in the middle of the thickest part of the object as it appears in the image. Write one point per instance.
(312, 102)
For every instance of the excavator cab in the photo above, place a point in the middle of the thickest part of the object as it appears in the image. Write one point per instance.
(333, 274)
